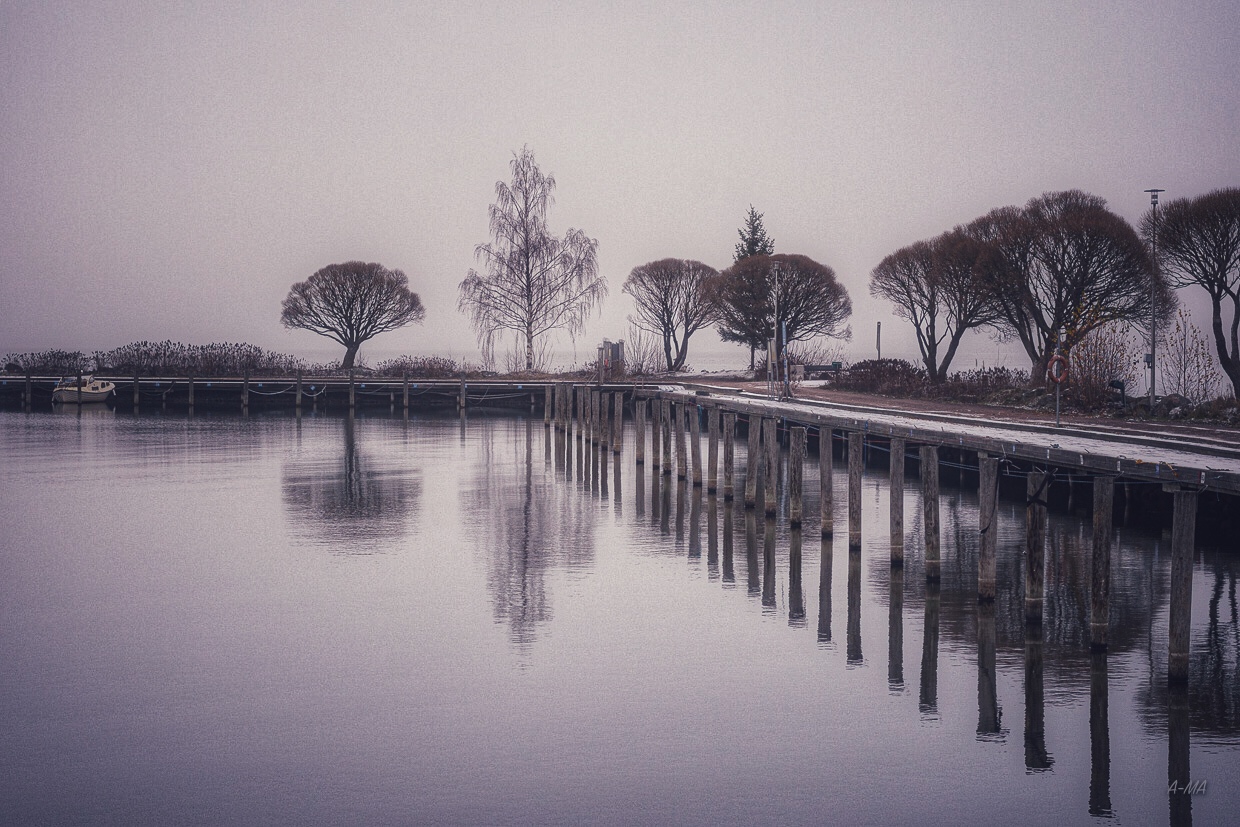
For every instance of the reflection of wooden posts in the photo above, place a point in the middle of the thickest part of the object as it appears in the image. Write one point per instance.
(796, 474)
(695, 444)
(1037, 756)
(712, 449)
(895, 631)
(1099, 734)
(826, 494)
(770, 462)
(1035, 544)
(617, 421)
(988, 526)
(1181, 786)
(729, 455)
(853, 629)
(639, 430)
(352, 395)
(682, 461)
(988, 723)
(1183, 535)
(855, 444)
(896, 484)
(930, 508)
(1100, 563)
(753, 460)
(928, 699)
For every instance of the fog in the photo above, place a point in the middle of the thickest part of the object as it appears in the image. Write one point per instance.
(170, 169)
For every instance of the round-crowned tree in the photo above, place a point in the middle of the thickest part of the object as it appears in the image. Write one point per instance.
(351, 303)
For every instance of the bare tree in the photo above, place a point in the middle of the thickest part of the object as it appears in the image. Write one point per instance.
(1189, 368)
(351, 303)
(936, 285)
(672, 303)
(811, 301)
(531, 282)
(1066, 262)
(1199, 245)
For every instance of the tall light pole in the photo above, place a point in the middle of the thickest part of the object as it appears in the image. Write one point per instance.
(1153, 291)
(772, 356)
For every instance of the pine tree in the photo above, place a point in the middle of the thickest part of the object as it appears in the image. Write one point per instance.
(754, 240)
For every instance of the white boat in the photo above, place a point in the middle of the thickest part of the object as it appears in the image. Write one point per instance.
(68, 391)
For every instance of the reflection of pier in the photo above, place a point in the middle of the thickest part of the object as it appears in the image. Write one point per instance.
(1034, 599)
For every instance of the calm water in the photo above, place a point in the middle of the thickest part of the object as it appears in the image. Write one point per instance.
(225, 620)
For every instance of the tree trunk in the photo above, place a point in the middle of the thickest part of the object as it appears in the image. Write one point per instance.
(350, 355)
(667, 352)
(1230, 362)
(529, 349)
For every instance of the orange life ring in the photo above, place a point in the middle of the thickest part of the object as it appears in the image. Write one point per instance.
(1057, 376)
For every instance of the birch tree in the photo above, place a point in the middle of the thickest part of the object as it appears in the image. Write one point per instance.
(530, 282)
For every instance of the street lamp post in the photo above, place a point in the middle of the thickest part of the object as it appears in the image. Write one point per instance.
(772, 349)
(1153, 292)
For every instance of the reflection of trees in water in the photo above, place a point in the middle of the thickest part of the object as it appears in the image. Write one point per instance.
(525, 523)
(349, 501)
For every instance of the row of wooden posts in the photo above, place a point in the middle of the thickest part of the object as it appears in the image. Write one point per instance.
(191, 381)
(598, 416)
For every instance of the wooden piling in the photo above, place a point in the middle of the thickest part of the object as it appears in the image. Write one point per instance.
(796, 474)
(352, 394)
(729, 455)
(896, 485)
(1100, 563)
(1035, 545)
(79, 391)
(595, 428)
(930, 508)
(826, 494)
(28, 398)
(665, 419)
(604, 420)
(988, 526)
(617, 422)
(549, 398)
(682, 460)
(639, 430)
(695, 444)
(656, 438)
(855, 444)
(190, 391)
(712, 449)
(137, 395)
(245, 393)
(753, 460)
(770, 464)
(460, 400)
(1183, 536)
(404, 381)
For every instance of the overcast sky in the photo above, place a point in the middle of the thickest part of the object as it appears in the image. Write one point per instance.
(168, 170)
